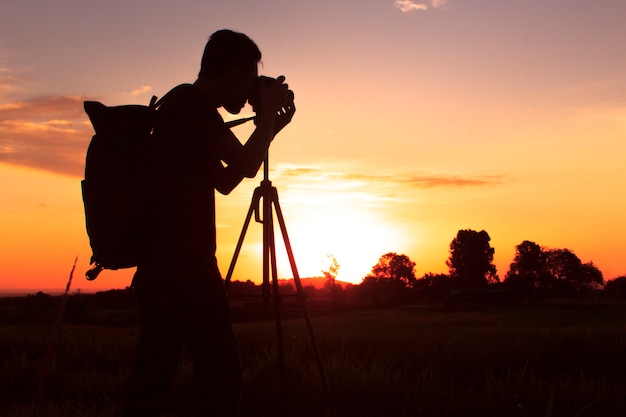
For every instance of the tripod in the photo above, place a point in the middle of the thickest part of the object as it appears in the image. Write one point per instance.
(263, 199)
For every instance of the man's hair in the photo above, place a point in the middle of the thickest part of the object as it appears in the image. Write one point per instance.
(226, 50)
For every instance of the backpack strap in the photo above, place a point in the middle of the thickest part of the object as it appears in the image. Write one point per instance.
(155, 104)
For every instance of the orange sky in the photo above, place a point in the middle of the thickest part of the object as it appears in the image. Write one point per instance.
(415, 120)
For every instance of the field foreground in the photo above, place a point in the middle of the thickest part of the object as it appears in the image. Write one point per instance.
(550, 359)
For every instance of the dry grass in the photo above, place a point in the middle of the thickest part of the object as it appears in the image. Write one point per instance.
(553, 360)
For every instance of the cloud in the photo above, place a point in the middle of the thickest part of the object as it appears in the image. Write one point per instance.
(325, 179)
(51, 133)
(10, 82)
(407, 6)
(314, 185)
(451, 181)
(139, 91)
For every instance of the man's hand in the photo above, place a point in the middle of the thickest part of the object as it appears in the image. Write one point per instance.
(285, 114)
(274, 96)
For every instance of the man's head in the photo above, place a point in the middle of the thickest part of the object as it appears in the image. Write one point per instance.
(231, 58)
(227, 50)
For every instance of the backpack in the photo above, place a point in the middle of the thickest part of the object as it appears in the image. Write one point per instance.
(111, 189)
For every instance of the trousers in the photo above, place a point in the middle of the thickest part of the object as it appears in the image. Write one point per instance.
(184, 304)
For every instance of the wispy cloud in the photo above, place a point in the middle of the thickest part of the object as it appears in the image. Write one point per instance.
(10, 82)
(49, 133)
(431, 181)
(139, 91)
(313, 175)
(407, 6)
(316, 185)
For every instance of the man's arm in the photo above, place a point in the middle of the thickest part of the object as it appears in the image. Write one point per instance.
(244, 160)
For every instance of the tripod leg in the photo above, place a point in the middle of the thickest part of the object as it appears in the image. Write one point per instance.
(253, 206)
(270, 248)
(269, 195)
(269, 267)
(300, 295)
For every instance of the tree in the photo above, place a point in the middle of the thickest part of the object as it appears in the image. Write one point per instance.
(616, 288)
(432, 287)
(471, 259)
(591, 277)
(563, 267)
(552, 271)
(562, 264)
(528, 269)
(389, 281)
(394, 267)
(331, 273)
(568, 273)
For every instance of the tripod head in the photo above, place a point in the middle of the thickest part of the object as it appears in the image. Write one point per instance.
(266, 167)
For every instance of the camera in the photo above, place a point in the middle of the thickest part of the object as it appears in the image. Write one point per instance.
(255, 100)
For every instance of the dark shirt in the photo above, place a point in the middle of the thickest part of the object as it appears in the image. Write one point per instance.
(182, 166)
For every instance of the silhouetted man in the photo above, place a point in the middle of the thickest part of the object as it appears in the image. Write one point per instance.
(178, 284)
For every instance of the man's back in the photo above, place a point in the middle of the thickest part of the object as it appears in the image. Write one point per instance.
(179, 177)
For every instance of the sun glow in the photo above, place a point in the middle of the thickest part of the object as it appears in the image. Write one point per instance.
(354, 238)
(339, 220)
(329, 213)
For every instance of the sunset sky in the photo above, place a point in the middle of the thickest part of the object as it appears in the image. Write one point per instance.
(415, 119)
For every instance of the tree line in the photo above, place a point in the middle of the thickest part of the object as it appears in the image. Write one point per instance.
(536, 272)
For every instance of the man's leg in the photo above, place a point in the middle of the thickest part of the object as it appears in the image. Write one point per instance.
(217, 366)
(156, 362)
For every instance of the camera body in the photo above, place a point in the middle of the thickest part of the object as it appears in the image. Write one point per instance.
(255, 100)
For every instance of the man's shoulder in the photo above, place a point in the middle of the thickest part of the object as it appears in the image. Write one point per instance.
(182, 94)
(186, 105)
(186, 102)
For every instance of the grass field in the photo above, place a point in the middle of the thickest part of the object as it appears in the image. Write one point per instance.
(551, 359)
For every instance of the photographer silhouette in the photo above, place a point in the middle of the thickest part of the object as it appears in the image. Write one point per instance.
(178, 285)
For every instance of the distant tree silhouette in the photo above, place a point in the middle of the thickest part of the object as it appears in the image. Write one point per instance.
(390, 280)
(569, 275)
(240, 288)
(432, 287)
(551, 272)
(591, 277)
(381, 292)
(562, 264)
(615, 288)
(331, 273)
(528, 270)
(471, 259)
(394, 267)
(330, 285)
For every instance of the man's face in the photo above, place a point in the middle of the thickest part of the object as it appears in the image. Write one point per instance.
(239, 85)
